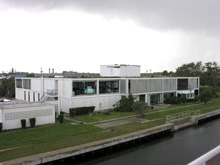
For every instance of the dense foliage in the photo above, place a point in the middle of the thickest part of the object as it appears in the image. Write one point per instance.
(208, 72)
(32, 122)
(140, 108)
(23, 123)
(206, 95)
(176, 100)
(125, 104)
(7, 87)
(81, 110)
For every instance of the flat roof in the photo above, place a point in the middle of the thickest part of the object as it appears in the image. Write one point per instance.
(13, 105)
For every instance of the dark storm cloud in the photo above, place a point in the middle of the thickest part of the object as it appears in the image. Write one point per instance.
(189, 15)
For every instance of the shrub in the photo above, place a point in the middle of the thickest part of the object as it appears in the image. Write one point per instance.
(0, 127)
(61, 116)
(125, 104)
(81, 111)
(23, 123)
(32, 122)
(205, 96)
(140, 108)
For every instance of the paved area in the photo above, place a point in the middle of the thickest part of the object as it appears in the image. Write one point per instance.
(119, 122)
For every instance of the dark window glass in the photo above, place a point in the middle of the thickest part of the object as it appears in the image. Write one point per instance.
(108, 86)
(182, 84)
(84, 87)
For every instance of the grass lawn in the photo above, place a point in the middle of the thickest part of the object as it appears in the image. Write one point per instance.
(52, 137)
(99, 116)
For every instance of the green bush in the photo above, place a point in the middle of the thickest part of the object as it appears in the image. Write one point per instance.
(0, 127)
(125, 104)
(32, 122)
(61, 116)
(81, 111)
(23, 123)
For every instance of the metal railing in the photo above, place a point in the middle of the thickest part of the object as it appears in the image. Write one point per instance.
(171, 118)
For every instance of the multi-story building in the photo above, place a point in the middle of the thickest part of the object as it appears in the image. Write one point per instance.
(103, 93)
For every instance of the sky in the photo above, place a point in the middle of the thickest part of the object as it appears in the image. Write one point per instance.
(81, 35)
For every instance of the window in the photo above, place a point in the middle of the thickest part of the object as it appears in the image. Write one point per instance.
(18, 83)
(108, 86)
(26, 83)
(182, 84)
(28, 96)
(24, 95)
(33, 97)
(38, 95)
(84, 87)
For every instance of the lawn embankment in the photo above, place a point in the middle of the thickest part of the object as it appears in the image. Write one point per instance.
(21, 143)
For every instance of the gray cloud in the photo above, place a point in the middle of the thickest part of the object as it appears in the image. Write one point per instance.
(187, 15)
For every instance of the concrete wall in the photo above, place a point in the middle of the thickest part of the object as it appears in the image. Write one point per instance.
(130, 71)
(38, 86)
(100, 102)
(120, 70)
(44, 114)
(109, 71)
(152, 85)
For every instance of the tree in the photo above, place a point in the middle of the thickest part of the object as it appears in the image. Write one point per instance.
(165, 73)
(140, 108)
(190, 70)
(7, 87)
(125, 104)
(205, 95)
(210, 77)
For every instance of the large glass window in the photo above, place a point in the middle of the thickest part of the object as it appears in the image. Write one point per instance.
(18, 83)
(84, 87)
(27, 84)
(109, 86)
(182, 84)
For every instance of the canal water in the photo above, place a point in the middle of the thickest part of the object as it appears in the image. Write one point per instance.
(180, 148)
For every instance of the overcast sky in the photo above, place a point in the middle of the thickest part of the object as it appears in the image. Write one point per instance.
(81, 35)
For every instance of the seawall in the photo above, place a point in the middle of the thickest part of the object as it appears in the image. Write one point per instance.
(111, 142)
(90, 147)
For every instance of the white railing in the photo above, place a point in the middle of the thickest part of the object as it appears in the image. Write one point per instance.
(172, 117)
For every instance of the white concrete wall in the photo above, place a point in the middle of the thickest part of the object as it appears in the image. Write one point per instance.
(43, 114)
(36, 84)
(109, 71)
(120, 71)
(100, 102)
(65, 88)
(130, 71)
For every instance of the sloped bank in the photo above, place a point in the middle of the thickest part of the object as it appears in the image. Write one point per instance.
(92, 147)
(105, 144)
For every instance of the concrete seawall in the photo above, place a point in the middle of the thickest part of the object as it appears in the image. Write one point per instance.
(111, 142)
(90, 147)
(193, 120)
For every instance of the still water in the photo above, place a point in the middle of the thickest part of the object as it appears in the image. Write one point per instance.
(181, 148)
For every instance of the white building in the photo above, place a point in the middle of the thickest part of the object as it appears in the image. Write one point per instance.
(102, 92)
(120, 70)
(11, 114)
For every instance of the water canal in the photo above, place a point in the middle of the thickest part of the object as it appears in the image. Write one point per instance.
(182, 147)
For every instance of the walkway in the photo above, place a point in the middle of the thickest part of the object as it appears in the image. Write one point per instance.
(127, 119)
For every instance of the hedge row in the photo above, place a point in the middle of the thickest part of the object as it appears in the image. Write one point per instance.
(81, 111)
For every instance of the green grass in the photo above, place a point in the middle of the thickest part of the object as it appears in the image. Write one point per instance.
(99, 116)
(53, 137)
(49, 138)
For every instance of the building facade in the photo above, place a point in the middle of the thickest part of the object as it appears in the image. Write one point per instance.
(103, 93)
